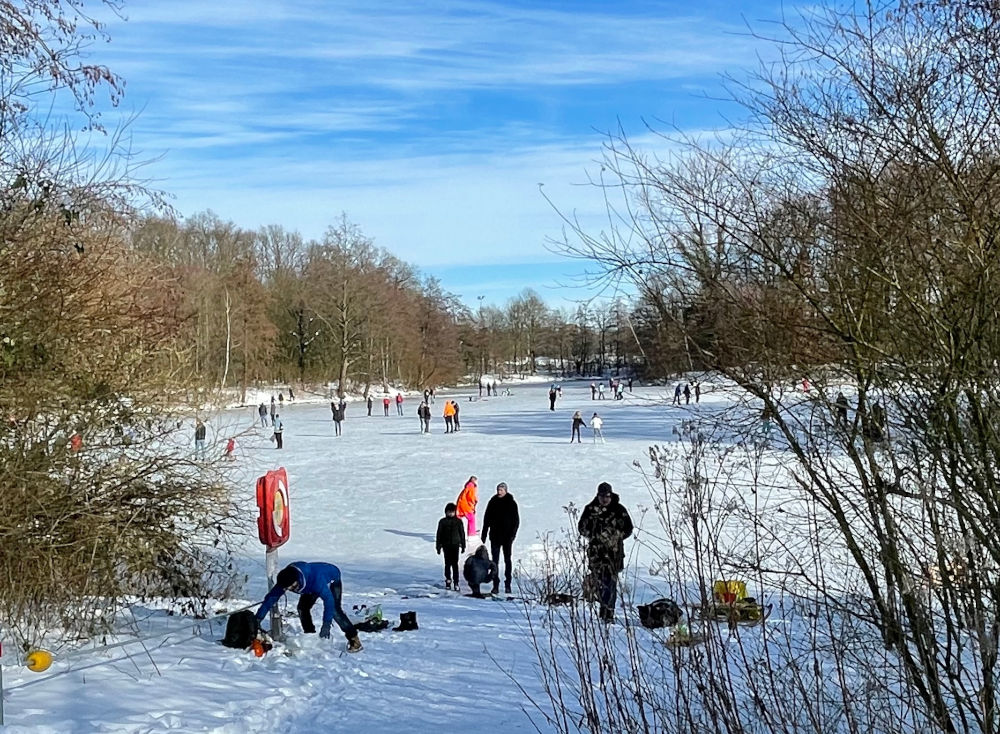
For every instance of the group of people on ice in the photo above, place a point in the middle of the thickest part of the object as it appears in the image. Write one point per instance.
(500, 523)
(605, 523)
(616, 386)
(686, 391)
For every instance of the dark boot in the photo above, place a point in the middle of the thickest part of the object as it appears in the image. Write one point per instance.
(407, 622)
(496, 587)
(506, 587)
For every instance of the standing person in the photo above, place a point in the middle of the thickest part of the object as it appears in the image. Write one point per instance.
(432, 395)
(593, 391)
(399, 403)
(385, 404)
(369, 401)
(489, 389)
(450, 539)
(596, 424)
(281, 399)
(424, 413)
(230, 452)
(600, 391)
(276, 423)
(274, 410)
(454, 404)
(313, 581)
(605, 523)
(578, 423)
(199, 439)
(687, 394)
(697, 391)
(630, 384)
(677, 394)
(291, 395)
(842, 406)
(338, 418)
(552, 398)
(500, 522)
(468, 498)
(449, 416)
(480, 387)
(262, 412)
(479, 569)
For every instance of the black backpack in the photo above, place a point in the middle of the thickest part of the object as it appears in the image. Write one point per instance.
(241, 629)
(659, 613)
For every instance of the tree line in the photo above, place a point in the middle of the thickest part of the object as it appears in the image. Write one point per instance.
(267, 305)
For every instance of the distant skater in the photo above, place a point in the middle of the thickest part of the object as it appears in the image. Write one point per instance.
(578, 423)
(596, 423)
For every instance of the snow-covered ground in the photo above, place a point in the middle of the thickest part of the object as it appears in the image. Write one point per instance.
(368, 501)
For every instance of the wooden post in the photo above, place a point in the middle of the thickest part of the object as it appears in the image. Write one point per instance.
(271, 568)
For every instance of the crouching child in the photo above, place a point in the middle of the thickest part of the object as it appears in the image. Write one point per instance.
(479, 569)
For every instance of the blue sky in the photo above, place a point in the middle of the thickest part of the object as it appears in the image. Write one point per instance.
(430, 124)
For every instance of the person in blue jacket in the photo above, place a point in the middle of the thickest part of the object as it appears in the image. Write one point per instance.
(313, 581)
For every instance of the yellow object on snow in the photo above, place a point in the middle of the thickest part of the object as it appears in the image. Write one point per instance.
(38, 661)
(729, 591)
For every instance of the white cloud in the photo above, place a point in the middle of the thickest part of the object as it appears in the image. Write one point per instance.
(430, 124)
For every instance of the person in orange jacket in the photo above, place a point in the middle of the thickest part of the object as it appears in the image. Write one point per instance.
(466, 503)
(449, 417)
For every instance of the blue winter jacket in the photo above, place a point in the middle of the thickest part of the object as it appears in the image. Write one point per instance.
(314, 578)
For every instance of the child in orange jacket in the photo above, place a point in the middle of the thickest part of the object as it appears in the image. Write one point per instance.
(466, 503)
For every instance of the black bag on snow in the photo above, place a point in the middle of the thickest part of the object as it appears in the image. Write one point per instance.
(659, 613)
(241, 629)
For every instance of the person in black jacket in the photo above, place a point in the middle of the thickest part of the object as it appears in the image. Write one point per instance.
(578, 423)
(605, 523)
(451, 540)
(338, 417)
(501, 522)
(424, 413)
(479, 569)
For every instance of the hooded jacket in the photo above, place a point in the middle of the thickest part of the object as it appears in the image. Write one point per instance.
(606, 528)
(450, 532)
(479, 569)
(467, 500)
(501, 519)
(314, 578)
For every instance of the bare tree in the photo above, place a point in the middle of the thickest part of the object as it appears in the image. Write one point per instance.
(844, 241)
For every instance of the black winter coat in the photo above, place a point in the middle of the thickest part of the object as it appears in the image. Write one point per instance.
(451, 532)
(501, 520)
(606, 528)
(479, 569)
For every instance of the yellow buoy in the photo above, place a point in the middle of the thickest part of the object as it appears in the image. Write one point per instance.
(38, 661)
